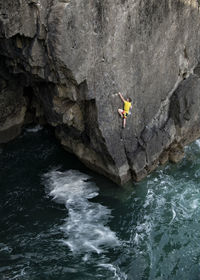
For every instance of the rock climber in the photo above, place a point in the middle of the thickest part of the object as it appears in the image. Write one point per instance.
(127, 106)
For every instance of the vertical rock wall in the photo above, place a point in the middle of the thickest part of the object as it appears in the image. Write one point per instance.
(75, 55)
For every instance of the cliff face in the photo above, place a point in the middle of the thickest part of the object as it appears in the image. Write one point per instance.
(63, 61)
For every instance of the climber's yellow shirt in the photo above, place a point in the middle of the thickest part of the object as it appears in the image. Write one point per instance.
(127, 106)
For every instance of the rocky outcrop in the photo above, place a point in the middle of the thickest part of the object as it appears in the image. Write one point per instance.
(62, 62)
(12, 110)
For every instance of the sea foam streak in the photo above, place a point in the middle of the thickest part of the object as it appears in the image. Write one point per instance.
(34, 129)
(198, 142)
(84, 228)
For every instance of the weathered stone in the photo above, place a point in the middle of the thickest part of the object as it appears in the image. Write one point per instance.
(184, 109)
(139, 164)
(77, 54)
(70, 112)
(19, 43)
(37, 55)
(176, 153)
(68, 91)
(164, 157)
(12, 110)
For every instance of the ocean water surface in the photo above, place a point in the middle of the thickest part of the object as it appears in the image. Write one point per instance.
(61, 221)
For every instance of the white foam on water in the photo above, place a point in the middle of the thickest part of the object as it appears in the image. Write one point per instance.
(149, 198)
(198, 142)
(85, 229)
(173, 215)
(5, 248)
(195, 203)
(19, 275)
(117, 274)
(34, 129)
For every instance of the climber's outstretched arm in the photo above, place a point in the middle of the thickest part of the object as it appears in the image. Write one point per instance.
(122, 98)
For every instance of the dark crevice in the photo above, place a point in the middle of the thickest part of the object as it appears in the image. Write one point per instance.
(34, 112)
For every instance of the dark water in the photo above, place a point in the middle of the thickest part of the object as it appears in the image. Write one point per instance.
(61, 221)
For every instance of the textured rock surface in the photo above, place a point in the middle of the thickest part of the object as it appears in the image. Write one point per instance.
(63, 61)
(12, 110)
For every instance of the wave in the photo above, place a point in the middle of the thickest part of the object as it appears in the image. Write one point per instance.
(84, 229)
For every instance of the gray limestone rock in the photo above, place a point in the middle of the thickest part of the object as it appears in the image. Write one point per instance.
(12, 110)
(76, 55)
